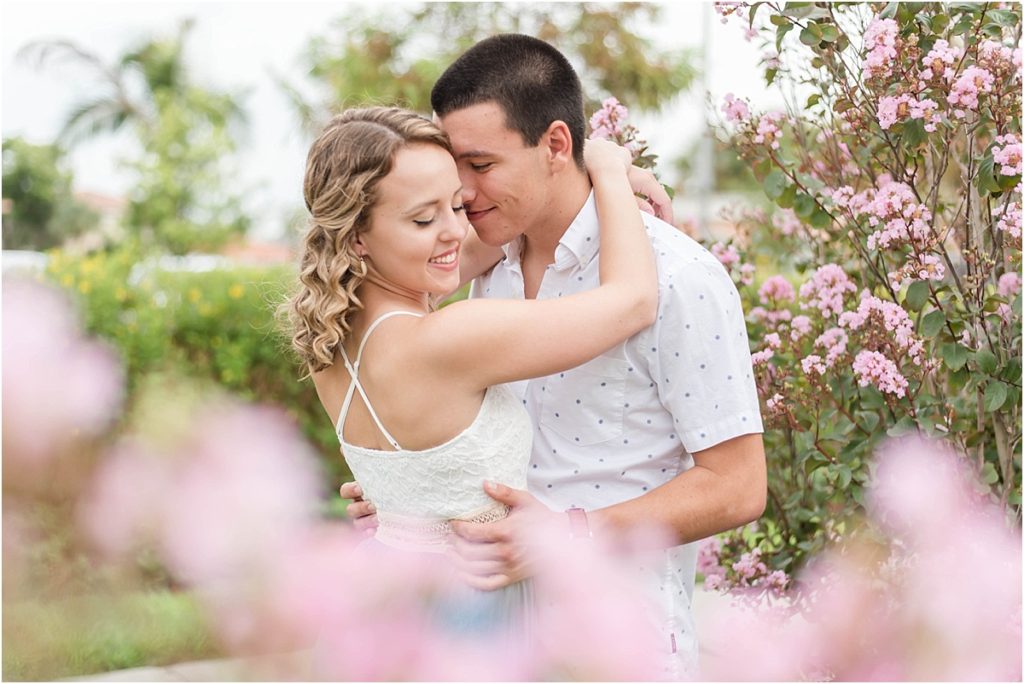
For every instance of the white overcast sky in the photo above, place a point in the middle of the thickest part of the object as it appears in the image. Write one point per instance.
(236, 45)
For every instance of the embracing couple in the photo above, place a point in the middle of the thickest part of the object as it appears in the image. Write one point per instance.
(598, 380)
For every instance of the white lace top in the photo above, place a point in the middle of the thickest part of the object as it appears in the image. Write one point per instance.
(417, 492)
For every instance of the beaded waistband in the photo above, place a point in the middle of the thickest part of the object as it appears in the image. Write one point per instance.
(428, 534)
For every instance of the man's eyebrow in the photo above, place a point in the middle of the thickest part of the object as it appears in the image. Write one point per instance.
(472, 154)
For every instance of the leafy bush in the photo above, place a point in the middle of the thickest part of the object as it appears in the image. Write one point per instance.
(216, 325)
(895, 175)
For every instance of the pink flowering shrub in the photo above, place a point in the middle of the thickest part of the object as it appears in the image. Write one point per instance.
(933, 593)
(896, 224)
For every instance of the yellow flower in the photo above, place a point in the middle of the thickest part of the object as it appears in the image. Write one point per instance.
(68, 280)
(236, 291)
(85, 287)
(194, 295)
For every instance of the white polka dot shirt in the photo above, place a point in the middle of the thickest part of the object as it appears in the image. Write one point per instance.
(626, 422)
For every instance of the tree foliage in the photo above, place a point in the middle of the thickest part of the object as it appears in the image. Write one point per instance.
(43, 212)
(395, 57)
(185, 134)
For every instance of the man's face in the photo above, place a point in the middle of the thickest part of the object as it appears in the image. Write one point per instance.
(505, 182)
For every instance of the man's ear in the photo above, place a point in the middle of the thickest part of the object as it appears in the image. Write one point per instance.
(557, 142)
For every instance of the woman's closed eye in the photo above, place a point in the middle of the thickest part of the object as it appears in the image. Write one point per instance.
(427, 221)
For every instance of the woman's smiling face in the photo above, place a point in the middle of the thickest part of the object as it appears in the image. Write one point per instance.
(418, 222)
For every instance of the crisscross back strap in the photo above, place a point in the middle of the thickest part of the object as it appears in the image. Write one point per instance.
(353, 370)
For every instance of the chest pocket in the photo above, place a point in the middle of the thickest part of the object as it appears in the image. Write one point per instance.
(586, 405)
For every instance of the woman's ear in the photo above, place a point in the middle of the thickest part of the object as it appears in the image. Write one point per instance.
(359, 248)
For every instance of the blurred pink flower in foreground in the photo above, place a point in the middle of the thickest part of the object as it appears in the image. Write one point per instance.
(942, 603)
(58, 387)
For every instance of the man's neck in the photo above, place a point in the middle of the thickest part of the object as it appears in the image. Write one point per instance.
(540, 241)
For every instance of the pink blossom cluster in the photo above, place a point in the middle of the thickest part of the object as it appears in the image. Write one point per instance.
(1007, 153)
(833, 341)
(773, 316)
(891, 318)
(735, 109)
(58, 386)
(776, 290)
(874, 368)
(894, 206)
(940, 61)
(774, 402)
(826, 289)
(893, 110)
(726, 254)
(607, 122)
(771, 60)
(880, 40)
(727, 9)
(747, 274)
(918, 267)
(1009, 217)
(761, 357)
(972, 83)
(748, 571)
(1009, 284)
(799, 326)
(769, 129)
(786, 221)
(813, 362)
(708, 560)
(998, 58)
(893, 619)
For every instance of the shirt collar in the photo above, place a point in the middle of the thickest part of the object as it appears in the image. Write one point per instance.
(578, 245)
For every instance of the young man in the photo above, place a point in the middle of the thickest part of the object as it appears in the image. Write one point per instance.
(663, 430)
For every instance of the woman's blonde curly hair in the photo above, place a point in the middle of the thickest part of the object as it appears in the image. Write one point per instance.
(343, 170)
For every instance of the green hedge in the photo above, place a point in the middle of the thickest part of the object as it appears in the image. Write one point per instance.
(216, 326)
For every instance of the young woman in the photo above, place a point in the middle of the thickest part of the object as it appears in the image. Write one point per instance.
(417, 393)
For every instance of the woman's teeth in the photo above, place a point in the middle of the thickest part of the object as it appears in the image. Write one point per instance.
(446, 259)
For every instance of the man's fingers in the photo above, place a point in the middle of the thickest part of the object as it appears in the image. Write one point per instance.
(365, 524)
(351, 490)
(646, 206)
(474, 551)
(489, 583)
(360, 509)
(477, 568)
(481, 533)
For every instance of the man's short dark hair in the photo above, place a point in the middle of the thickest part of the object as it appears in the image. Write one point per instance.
(530, 80)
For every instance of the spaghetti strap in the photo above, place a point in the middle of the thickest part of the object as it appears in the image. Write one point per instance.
(353, 370)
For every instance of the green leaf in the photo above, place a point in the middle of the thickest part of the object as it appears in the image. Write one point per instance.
(804, 205)
(845, 475)
(775, 184)
(955, 355)
(1007, 18)
(890, 11)
(769, 76)
(762, 169)
(986, 361)
(811, 35)
(829, 33)
(917, 295)
(868, 421)
(780, 33)
(753, 12)
(939, 23)
(913, 133)
(779, 20)
(988, 474)
(821, 219)
(933, 323)
(1011, 371)
(995, 395)
(787, 197)
(812, 100)
(904, 426)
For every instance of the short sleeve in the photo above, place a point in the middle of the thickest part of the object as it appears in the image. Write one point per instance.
(700, 356)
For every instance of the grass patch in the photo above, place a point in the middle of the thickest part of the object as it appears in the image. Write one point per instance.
(99, 633)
